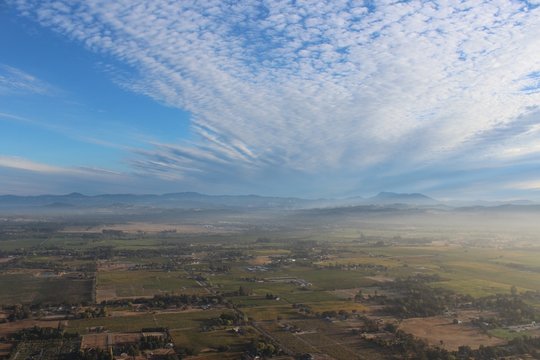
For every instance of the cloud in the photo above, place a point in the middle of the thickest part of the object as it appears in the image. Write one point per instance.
(14, 81)
(315, 87)
(24, 164)
(20, 175)
(14, 162)
(526, 185)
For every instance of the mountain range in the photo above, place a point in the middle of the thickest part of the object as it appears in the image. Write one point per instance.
(193, 200)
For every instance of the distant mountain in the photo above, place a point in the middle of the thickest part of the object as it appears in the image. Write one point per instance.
(184, 200)
(484, 203)
(133, 203)
(385, 198)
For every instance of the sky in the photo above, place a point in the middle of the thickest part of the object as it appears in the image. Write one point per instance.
(286, 98)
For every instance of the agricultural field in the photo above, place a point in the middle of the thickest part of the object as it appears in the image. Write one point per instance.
(336, 293)
(140, 283)
(441, 331)
(26, 287)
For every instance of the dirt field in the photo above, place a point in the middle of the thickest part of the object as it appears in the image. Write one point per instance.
(260, 260)
(5, 349)
(107, 265)
(94, 341)
(105, 294)
(380, 278)
(345, 293)
(110, 294)
(437, 328)
(103, 340)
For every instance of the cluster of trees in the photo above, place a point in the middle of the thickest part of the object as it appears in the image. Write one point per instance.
(166, 301)
(303, 308)
(153, 342)
(18, 312)
(225, 319)
(242, 291)
(410, 347)
(512, 309)
(418, 300)
(270, 296)
(219, 268)
(371, 268)
(168, 266)
(93, 312)
(262, 347)
(94, 354)
(145, 343)
(341, 314)
(39, 333)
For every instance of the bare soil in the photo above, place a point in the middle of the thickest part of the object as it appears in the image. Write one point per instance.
(441, 328)
(260, 260)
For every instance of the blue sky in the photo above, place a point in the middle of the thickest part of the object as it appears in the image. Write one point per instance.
(304, 98)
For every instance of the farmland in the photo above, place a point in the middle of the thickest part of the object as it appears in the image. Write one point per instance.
(353, 290)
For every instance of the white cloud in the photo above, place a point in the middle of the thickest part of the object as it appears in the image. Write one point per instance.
(525, 185)
(19, 163)
(16, 81)
(319, 85)
(25, 164)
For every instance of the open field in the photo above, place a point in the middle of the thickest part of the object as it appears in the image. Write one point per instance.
(188, 320)
(104, 340)
(208, 342)
(146, 227)
(139, 283)
(27, 287)
(322, 338)
(336, 291)
(440, 331)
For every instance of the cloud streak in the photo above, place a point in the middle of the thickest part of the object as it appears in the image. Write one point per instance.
(19, 163)
(14, 81)
(317, 87)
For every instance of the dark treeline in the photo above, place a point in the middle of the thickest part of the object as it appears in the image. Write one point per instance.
(410, 347)
(166, 301)
(417, 299)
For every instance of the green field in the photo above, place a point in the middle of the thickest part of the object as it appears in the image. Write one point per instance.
(144, 282)
(135, 322)
(28, 288)
(299, 286)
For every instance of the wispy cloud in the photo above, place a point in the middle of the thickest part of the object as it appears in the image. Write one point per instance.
(20, 175)
(321, 86)
(14, 81)
(63, 130)
(19, 163)
(25, 164)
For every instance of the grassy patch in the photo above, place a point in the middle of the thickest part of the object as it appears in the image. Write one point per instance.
(27, 288)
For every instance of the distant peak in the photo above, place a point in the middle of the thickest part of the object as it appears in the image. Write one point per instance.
(411, 198)
(393, 194)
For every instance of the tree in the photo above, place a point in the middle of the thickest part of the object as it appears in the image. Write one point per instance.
(513, 290)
